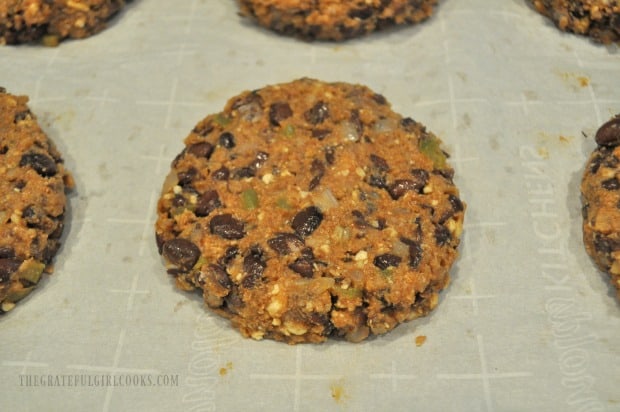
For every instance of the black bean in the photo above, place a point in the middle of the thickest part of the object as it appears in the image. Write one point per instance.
(207, 203)
(285, 243)
(377, 180)
(187, 176)
(307, 221)
(316, 180)
(244, 172)
(447, 174)
(330, 155)
(220, 276)
(318, 113)
(6, 252)
(363, 13)
(50, 251)
(381, 223)
(442, 235)
(250, 170)
(457, 205)
(250, 106)
(317, 167)
(611, 161)
(221, 174)
(32, 216)
(253, 267)
(415, 252)
(201, 150)
(357, 122)
(279, 111)
(408, 124)
(22, 116)
(41, 163)
(203, 130)
(4, 149)
(378, 98)
(380, 163)
(7, 268)
(178, 201)
(229, 254)
(360, 220)
(605, 245)
(28, 212)
(57, 233)
(401, 186)
(320, 134)
(259, 160)
(611, 184)
(227, 227)
(181, 253)
(234, 301)
(420, 176)
(386, 260)
(318, 170)
(227, 140)
(609, 133)
(303, 266)
(159, 241)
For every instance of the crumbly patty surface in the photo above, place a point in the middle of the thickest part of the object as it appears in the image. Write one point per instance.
(32, 200)
(25, 21)
(599, 19)
(334, 19)
(600, 190)
(308, 210)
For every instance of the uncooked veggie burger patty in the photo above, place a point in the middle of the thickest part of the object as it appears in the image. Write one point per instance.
(33, 181)
(50, 21)
(599, 19)
(334, 19)
(310, 210)
(600, 191)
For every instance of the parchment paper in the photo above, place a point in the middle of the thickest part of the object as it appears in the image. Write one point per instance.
(528, 323)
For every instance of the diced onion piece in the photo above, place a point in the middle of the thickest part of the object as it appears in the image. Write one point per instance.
(325, 200)
(385, 125)
(400, 249)
(349, 131)
(249, 198)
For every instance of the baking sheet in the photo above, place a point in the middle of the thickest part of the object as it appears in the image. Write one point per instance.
(528, 323)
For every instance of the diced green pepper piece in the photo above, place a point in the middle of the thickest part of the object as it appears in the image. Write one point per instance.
(200, 262)
(430, 146)
(283, 203)
(387, 272)
(222, 120)
(249, 198)
(289, 130)
(348, 293)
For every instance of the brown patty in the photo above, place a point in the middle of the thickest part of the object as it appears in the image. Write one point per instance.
(600, 190)
(25, 21)
(309, 209)
(599, 19)
(334, 19)
(32, 200)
